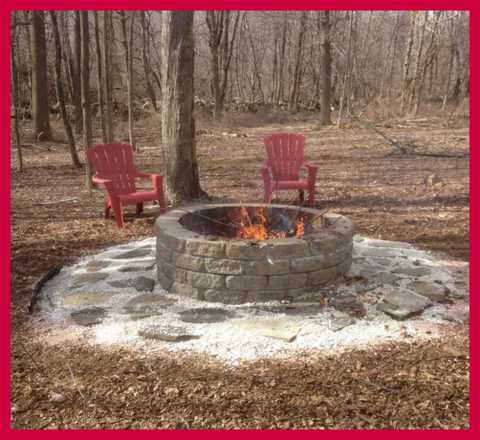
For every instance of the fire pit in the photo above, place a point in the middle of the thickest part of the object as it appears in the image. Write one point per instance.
(233, 253)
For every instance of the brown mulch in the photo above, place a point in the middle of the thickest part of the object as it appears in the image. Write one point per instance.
(408, 385)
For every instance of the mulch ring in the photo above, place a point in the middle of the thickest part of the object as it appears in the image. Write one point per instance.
(420, 385)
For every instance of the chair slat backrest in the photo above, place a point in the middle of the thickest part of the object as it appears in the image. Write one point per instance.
(114, 162)
(285, 155)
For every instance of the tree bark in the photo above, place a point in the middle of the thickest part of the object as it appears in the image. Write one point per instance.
(325, 111)
(100, 83)
(40, 107)
(76, 75)
(127, 35)
(107, 72)
(14, 84)
(297, 75)
(178, 125)
(60, 94)
(146, 60)
(85, 87)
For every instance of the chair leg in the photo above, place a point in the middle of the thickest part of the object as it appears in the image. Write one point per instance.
(107, 209)
(161, 202)
(117, 209)
(139, 208)
(311, 197)
(301, 196)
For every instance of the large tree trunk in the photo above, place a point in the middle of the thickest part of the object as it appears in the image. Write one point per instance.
(325, 111)
(297, 74)
(100, 84)
(40, 108)
(178, 126)
(14, 85)
(76, 75)
(146, 59)
(85, 75)
(60, 94)
(107, 72)
(127, 41)
(344, 97)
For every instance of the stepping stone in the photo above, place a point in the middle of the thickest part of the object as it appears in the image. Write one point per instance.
(167, 333)
(140, 284)
(413, 271)
(338, 323)
(87, 299)
(380, 252)
(403, 304)
(434, 291)
(95, 265)
(147, 303)
(386, 278)
(205, 315)
(136, 253)
(389, 244)
(282, 329)
(89, 316)
(148, 265)
(293, 309)
(348, 304)
(88, 278)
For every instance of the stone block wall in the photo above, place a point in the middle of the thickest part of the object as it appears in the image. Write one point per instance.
(238, 271)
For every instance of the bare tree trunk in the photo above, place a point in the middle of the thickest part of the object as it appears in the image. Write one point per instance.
(127, 34)
(430, 54)
(107, 72)
(325, 111)
(100, 84)
(14, 81)
(294, 96)
(451, 58)
(76, 75)
(346, 75)
(407, 80)
(85, 86)
(178, 125)
(146, 60)
(59, 87)
(221, 51)
(40, 107)
(282, 61)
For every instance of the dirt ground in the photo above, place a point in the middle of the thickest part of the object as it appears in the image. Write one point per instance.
(420, 385)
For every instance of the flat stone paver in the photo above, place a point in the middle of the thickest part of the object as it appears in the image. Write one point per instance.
(403, 303)
(95, 265)
(147, 303)
(168, 333)
(413, 271)
(140, 283)
(89, 316)
(136, 253)
(434, 291)
(348, 304)
(87, 299)
(205, 315)
(88, 278)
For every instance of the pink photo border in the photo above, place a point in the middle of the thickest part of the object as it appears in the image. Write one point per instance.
(6, 6)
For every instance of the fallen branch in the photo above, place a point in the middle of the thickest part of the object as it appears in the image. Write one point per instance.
(38, 147)
(405, 148)
(39, 284)
(54, 202)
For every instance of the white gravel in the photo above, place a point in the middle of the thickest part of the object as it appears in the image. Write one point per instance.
(230, 342)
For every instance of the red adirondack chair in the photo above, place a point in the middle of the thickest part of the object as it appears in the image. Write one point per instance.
(113, 165)
(282, 168)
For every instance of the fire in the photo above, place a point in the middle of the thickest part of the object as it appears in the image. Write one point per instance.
(255, 227)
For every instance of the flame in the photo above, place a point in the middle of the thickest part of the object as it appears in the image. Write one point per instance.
(255, 227)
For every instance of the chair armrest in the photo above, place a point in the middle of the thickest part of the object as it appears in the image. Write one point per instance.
(97, 179)
(107, 182)
(157, 179)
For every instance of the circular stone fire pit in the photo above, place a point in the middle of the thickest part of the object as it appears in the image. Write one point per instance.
(201, 253)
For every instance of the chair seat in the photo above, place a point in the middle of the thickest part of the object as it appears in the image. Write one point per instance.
(139, 196)
(290, 184)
